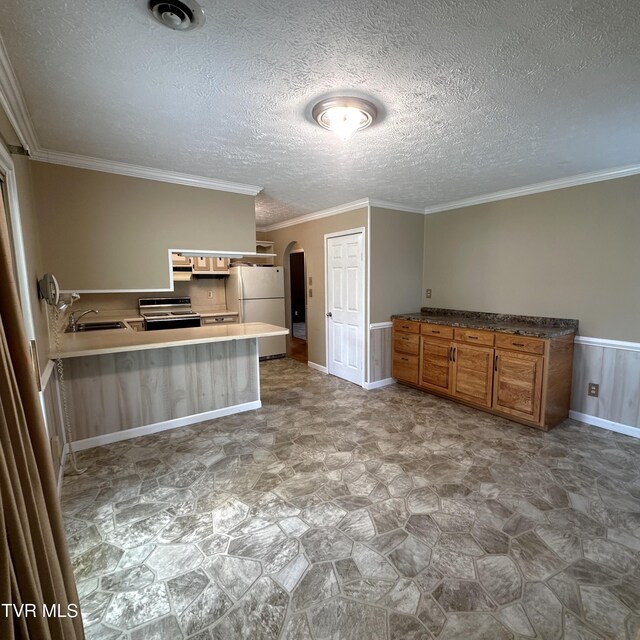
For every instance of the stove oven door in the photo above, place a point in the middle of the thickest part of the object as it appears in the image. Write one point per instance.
(156, 324)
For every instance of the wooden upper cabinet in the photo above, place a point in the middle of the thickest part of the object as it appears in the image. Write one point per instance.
(181, 261)
(473, 373)
(517, 386)
(435, 364)
(210, 265)
(201, 265)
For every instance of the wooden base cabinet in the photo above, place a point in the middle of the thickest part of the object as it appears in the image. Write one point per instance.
(473, 373)
(524, 379)
(436, 365)
(406, 345)
(517, 388)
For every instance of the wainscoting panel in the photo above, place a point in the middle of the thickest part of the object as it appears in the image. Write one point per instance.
(115, 392)
(52, 407)
(380, 351)
(616, 368)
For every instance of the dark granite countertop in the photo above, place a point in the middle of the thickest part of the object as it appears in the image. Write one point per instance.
(532, 326)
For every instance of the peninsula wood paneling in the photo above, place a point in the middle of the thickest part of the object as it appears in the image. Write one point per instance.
(114, 392)
(53, 417)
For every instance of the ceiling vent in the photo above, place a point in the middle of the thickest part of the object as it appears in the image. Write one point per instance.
(181, 15)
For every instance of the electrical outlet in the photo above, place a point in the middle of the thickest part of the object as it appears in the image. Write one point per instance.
(209, 294)
(311, 293)
(593, 389)
(428, 293)
(310, 280)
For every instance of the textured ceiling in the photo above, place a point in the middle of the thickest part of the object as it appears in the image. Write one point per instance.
(478, 96)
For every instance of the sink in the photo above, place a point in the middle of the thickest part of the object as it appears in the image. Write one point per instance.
(97, 326)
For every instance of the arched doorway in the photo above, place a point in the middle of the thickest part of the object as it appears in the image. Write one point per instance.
(296, 301)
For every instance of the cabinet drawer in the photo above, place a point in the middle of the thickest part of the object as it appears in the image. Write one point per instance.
(405, 367)
(474, 336)
(406, 326)
(520, 343)
(406, 343)
(437, 331)
(218, 319)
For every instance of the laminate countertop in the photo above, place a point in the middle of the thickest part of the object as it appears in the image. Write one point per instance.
(91, 343)
(532, 326)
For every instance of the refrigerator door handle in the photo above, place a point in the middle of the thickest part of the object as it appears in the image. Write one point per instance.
(240, 284)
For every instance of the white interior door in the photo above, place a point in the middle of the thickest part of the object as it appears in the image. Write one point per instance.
(344, 256)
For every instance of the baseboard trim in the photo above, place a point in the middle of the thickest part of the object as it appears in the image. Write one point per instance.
(136, 432)
(317, 367)
(609, 425)
(378, 383)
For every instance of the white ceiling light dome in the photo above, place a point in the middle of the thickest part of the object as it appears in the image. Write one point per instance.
(180, 15)
(345, 115)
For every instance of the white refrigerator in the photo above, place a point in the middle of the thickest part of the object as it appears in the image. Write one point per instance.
(257, 294)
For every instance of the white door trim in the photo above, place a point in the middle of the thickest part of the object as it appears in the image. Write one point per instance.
(337, 234)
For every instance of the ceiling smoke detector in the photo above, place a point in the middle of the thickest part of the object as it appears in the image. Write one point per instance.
(180, 15)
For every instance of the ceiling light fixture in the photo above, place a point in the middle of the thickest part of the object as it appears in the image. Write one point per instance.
(344, 115)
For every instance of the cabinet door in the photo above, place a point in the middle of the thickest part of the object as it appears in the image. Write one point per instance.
(435, 364)
(220, 264)
(202, 265)
(517, 386)
(180, 261)
(473, 373)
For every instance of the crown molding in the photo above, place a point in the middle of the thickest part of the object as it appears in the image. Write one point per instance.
(384, 204)
(334, 211)
(324, 213)
(137, 171)
(13, 103)
(540, 187)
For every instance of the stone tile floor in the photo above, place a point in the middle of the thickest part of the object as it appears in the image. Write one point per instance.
(334, 512)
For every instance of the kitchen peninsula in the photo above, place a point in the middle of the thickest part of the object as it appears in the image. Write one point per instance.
(123, 383)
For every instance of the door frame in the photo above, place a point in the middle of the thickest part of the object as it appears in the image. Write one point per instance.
(337, 234)
(7, 168)
(306, 303)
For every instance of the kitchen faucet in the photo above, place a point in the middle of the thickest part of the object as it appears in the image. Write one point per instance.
(73, 321)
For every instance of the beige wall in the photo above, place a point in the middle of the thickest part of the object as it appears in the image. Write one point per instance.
(397, 245)
(112, 232)
(310, 237)
(570, 253)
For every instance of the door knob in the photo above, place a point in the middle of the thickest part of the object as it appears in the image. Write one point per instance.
(329, 315)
